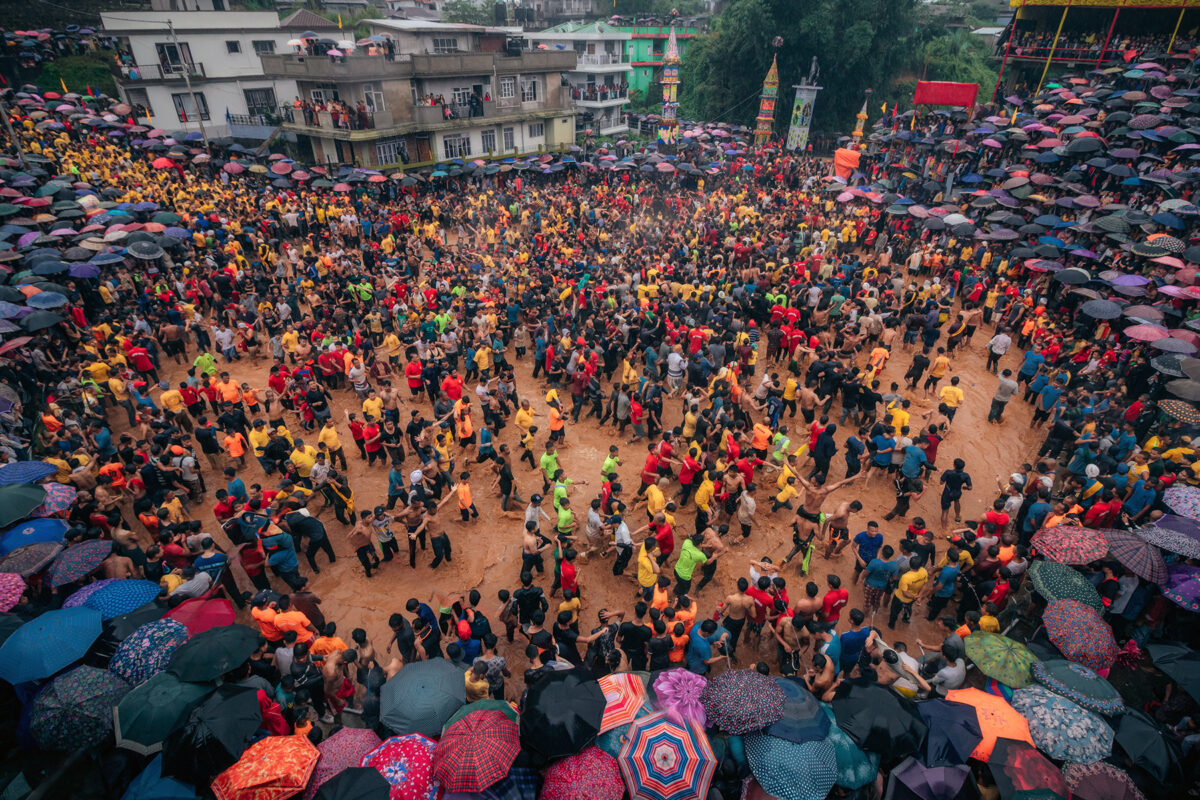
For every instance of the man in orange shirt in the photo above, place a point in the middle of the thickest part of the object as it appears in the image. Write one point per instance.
(264, 614)
(230, 391)
(235, 445)
(287, 619)
(558, 431)
(466, 506)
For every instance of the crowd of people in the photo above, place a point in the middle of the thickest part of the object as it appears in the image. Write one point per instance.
(707, 410)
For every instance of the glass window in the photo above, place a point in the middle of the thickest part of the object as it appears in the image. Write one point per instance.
(456, 145)
(186, 106)
(233, 46)
(537, 129)
(260, 101)
(529, 90)
(391, 151)
(508, 87)
(445, 45)
(510, 139)
(373, 96)
(139, 99)
(461, 95)
(264, 47)
(488, 141)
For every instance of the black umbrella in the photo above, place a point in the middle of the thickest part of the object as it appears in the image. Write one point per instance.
(39, 321)
(878, 719)
(422, 697)
(912, 780)
(562, 715)
(146, 251)
(118, 629)
(1101, 309)
(1147, 746)
(213, 736)
(355, 783)
(1180, 663)
(209, 655)
(953, 731)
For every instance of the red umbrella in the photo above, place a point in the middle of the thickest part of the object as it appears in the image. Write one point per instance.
(1078, 631)
(281, 168)
(201, 614)
(476, 751)
(590, 774)
(1070, 544)
(1146, 333)
(162, 163)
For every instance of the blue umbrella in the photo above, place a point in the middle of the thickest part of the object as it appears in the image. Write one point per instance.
(148, 650)
(151, 785)
(78, 560)
(84, 271)
(953, 732)
(104, 259)
(855, 768)
(792, 771)
(1061, 729)
(9, 311)
(803, 719)
(32, 531)
(25, 471)
(46, 644)
(46, 300)
(122, 597)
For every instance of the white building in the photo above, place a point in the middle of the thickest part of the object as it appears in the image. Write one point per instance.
(218, 51)
(598, 84)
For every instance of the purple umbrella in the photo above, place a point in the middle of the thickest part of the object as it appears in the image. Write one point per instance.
(1183, 586)
(79, 597)
(1130, 280)
(84, 271)
(342, 750)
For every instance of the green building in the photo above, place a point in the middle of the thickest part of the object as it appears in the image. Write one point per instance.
(647, 45)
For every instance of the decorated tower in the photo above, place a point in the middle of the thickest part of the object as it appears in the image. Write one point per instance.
(766, 105)
(668, 126)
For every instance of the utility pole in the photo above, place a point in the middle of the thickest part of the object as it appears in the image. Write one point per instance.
(188, 80)
(12, 136)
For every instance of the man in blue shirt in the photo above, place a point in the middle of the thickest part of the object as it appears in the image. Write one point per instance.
(1037, 514)
(884, 444)
(943, 585)
(866, 547)
(914, 460)
(706, 646)
(853, 640)
(880, 572)
(1047, 398)
(1140, 499)
(1029, 367)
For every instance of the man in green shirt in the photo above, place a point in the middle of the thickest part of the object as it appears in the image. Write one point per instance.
(565, 526)
(549, 465)
(610, 463)
(690, 557)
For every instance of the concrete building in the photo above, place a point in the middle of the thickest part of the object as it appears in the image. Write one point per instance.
(444, 91)
(219, 51)
(647, 45)
(599, 84)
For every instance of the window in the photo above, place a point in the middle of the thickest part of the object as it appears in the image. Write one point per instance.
(445, 45)
(508, 87)
(529, 90)
(488, 141)
(373, 96)
(172, 57)
(391, 151)
(260, 101)
(139, 99)
(233, 46)
(186, 106)
(460, 96)
(456, 145)
(264, 47)
(537, 130)
(510, 142)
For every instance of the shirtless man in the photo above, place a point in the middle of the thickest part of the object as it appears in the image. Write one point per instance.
(837, 525)
(391, 401)
(808, 515)
(533, 545)
(339, 690)
(714, 548)
(734, 609)
(809, 400)
(171, 336)
(793, 641)
(117, 566)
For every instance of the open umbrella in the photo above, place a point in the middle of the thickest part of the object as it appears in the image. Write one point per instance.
(1061, 729)
(1101, 309)
(476, 751)
(1100, 781)
(121, 597)
(879, 719)
(1180, 663)
(856, 767)
(148, 650)
(1148, 746)
(30, 559)
(79, 560)
(954, 732)
(148, 714)
(25, 472)
(341, 751)
(997, 720)
(590, 774)
(1140, 556)
(355, 783)
(1182, 586)
(47, 643)
(912, 780)
(624, 695)
(792, 770)
(1183, 500)
(75, 709)
(1079, 684)
(422, 696)
(201, 614)
(1070, 544)
(1017, 768)
(562, 715)
(17, 500)
(1055, 581)
(59, 497)
(741, 701)
(213, 736)
(803, 720)
(665, 759)
(678, 691)
(1001, 658)
(274, 768)
(151, 785)
(1080, 633)
(1173, 534)
(487, 704)
(209, 655)
(32, 531)
(12, 586)
(406, 763)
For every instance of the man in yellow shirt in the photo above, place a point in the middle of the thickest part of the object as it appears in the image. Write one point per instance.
(172, 401)
(333, 445)
(907, 591)
(303, 456)
(951, 397)
(120, 394)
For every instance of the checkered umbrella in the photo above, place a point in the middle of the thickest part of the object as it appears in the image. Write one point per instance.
(624, 695)
(662, 759)
(476, 751)
(1139, 555)
(1070, 544)
(1059, 582)
(1080, 633)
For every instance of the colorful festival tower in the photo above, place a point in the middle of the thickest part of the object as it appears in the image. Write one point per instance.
(766, 105)
(668, 125)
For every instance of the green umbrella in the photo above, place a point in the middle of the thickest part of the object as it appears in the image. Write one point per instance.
(151, 711)
(166, 218)
(17, 501)
(1001, 658)
(1055, 581)
(483, 705)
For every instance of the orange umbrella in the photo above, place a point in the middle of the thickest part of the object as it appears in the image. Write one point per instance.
(274, 768)
(997, 720)
(624, 695)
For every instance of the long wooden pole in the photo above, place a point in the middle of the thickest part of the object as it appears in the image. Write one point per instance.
(1053, 47)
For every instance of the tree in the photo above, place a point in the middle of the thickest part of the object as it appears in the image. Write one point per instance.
(466, 12)
(79, 72)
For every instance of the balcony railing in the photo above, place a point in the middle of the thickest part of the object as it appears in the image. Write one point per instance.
(338, 120)
(593, 94)
(264, 119)
(602, 59)
(161, 72)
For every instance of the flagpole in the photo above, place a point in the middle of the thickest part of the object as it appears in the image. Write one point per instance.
(187, 78)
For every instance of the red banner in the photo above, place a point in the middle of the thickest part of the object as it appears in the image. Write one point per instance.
(945, 93)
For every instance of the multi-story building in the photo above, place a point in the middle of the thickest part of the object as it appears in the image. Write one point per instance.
(648, 44)
(443, 91)
(599, 84)
(219, 52)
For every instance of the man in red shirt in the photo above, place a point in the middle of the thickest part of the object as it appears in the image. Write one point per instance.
(834, 600)
(649, 470)
(412, 372)
(452, 385)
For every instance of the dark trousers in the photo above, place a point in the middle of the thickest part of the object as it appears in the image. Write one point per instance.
(996, 412)
(734, 626)
(993, 360)
(441, 549)
(899, 606)
(936, 606)
(367, 557)
(315, 546)
(624, 553)
(389, 548)
(412, 548)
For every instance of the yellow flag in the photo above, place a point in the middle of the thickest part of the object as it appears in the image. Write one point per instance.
(1013, 121)
(912, 124)
(64, 85)
(883, 108)
(339, 20)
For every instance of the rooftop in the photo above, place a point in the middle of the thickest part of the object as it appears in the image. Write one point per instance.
(305, 20)
(582, 30)
(429, 26)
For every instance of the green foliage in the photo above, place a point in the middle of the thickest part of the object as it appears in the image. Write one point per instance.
(958, 56)
(352, 24)
(78, 72)
(657, 8)
(467, 12)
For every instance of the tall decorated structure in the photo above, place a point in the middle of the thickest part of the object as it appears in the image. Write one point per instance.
(668, 125)
(766, 101)
(802, 109)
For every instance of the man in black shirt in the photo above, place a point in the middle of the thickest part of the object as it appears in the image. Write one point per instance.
(429, 639)
(633, 638)
(233, 418)
(953, 483)
(403, 638)
(529, 598)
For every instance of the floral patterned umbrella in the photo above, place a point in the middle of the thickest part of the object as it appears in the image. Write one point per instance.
(1183, 586)
(31, 559)
(342, 750)
(741, 701)
(590, 774)
(1080, 685)
(1183, 500)
(405, 762)
(59, 498)
(1055, 581)
(1070, 544)
(75, 710)
(273, 768)
(1061, 729)
(1100, 781)
(12, 586)
(80, 596)
(148, 650)
(1080, 633)
(1001, 658)
(78, 560)
(1173, 534)
(122, 597)
(1142, 557)
(624, 695)
(679, 690)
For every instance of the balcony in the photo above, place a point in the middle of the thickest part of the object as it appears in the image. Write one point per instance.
(601, 61)
(158, 72)
(599, 96)
(351, 120)
(360, 126)
(457, 64)
(373, 68)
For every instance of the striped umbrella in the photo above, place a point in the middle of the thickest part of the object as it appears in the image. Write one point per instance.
(1079, 632)
(662, 759)
(1070, 544)
(1140, 556)
(624, 695)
